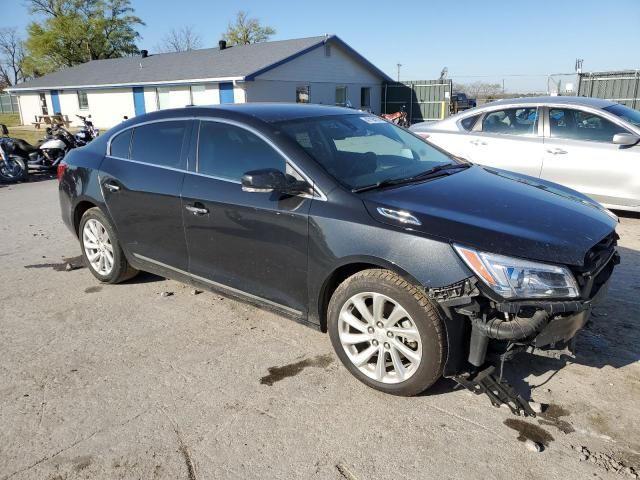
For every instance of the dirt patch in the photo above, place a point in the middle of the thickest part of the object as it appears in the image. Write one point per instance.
(551, 417)
(529, 431)
(67, 264)
(93, 289)
(279, 373)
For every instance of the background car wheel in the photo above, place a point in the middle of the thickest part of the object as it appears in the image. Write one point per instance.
(101, 250)
(387, 333)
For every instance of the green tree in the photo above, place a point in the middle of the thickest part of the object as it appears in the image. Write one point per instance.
(246, 30)
(77, 31)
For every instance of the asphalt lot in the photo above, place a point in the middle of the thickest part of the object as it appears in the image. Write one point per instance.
(120, 381)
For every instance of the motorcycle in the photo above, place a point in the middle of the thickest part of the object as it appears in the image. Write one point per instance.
(87, 132)
(12, 167)
(47, 153)
(399, 118)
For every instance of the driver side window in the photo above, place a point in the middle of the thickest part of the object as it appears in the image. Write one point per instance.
(578, 125)
(228, 152)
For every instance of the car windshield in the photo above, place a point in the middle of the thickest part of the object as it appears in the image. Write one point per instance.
(628, 114)
(364, 150)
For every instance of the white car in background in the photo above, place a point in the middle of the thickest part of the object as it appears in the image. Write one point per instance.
(587, 144)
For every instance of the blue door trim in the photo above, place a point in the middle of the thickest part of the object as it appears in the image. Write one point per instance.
(226, 92)
(138, 101)
(55, 102)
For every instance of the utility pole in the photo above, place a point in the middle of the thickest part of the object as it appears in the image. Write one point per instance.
(398, 65)
(503, 86)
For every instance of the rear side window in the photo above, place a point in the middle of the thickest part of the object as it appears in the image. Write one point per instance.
(120, 145)
(578, 125)
(229, 152)
(469, 122)
(159, 143)
(512, 121)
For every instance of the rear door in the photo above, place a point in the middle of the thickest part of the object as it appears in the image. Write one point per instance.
(141, 181)
(580, 154)
(255, 243)
(508, 138)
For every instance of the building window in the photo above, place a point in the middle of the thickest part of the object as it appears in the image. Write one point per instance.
(302, 94)
(43, 104)
(162, 97)
(341, 96)
(198, 95)
(83, 101)
(365, 97)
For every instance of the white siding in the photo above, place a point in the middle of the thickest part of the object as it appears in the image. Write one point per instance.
(323, 74)
(109, 106)
(239, 94)
(29, 107)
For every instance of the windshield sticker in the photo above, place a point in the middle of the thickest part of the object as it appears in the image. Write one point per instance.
(372, 119)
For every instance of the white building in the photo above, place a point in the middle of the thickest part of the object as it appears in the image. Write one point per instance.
(315, 70)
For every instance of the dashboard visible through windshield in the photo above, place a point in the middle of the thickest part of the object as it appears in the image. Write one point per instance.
(364, 150)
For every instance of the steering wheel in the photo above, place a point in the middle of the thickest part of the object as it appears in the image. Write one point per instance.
(352, 168)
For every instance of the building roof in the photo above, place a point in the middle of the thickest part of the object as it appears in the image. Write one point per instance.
(240, 62)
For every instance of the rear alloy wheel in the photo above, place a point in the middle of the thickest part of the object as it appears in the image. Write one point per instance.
(387, 333)
(101, 250)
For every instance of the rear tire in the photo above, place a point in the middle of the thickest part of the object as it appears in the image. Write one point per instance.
(101, 250)
(387, 333)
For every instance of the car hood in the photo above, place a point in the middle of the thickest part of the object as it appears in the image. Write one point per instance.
(501, 212)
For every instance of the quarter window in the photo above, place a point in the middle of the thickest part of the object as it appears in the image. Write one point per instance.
(469, 122)
(159, 143)
(341, 96)
(120, 145)
(83, 101)
(228, 152)
(302, 94)
(578, 125)
(512, 121)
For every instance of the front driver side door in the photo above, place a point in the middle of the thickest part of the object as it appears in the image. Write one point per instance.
(254, 243)
(580, 154)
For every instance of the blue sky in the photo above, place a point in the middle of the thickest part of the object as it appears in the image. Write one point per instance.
(487, 40)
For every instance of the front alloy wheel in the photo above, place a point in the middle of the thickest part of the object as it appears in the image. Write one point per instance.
(386, 332)
(379, 337)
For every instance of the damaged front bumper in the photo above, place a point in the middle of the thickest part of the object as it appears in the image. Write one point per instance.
(478, 321)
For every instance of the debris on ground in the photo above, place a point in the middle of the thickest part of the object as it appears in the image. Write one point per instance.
(533, 446)
(607, 462)
(195, 291)
(166, 294)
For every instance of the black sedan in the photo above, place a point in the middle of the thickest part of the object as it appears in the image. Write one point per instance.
(413, 260)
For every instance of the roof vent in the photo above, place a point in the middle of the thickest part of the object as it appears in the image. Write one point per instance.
(144, 53)
(222, 44)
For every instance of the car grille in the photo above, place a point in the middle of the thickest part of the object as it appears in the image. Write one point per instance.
(598, 266)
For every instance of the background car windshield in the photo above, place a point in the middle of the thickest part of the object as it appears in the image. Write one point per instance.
(361, 150)
(630, 115)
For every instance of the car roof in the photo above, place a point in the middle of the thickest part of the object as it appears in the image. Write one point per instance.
(266, 112)
(564, 100)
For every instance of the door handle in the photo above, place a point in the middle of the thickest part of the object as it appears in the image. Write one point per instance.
(111, 186)
(197, 209)
(477, 142)
(557, 151)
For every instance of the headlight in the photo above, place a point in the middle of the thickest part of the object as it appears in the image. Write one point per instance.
(517, 278)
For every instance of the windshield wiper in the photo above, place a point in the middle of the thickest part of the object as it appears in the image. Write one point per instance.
(436, 171)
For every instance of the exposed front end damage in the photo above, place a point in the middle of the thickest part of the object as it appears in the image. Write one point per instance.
(485, 331)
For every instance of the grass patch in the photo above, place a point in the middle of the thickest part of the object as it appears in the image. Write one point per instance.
(10, 119)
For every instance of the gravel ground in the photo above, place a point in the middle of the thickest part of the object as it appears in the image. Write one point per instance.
(120, 381)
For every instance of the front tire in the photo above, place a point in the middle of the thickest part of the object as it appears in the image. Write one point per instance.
(101, 250)
(387, 333)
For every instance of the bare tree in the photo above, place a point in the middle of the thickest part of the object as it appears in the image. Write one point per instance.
(479, 89)
(11, 56)
(180, 40)
(245, 30)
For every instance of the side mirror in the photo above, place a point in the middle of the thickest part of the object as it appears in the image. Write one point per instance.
(626, 139)
(271, 180)
(4, 129)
